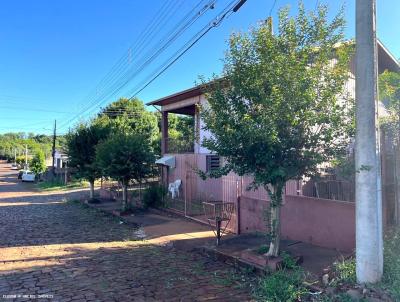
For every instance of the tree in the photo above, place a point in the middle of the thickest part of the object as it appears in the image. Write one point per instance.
(20, 160)
(126, 157)
(130, 116)
(14, 143)
(38, 163)
(180, 130)
(81, 146)
(389, 93)
(280, 109)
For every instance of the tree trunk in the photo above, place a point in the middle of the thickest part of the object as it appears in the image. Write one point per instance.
(275, 194)
(140, 191)
(124, 197)
(91, 185)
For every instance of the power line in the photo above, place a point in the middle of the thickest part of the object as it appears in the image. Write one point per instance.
(200, 34)
(272, 8)
(33, 109)
(120, 66)
(233, 6)
(147, 60)
(19, 118)
(127, 76)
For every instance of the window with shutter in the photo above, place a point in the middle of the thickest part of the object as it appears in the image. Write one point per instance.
(212, 162)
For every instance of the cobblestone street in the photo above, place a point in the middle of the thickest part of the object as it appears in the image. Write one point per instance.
(57, 250)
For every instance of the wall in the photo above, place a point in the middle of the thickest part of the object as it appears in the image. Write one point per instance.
(323, 222)
(203, 133)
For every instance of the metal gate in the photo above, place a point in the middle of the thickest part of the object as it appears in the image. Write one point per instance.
(196, 190)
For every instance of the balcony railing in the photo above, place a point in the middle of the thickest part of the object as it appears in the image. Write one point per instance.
(179, 145)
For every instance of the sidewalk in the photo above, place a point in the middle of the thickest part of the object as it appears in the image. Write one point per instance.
(164, 228)
(161, 227)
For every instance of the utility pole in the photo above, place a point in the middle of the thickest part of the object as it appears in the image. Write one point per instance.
(26, 157)
(53, 153)
(369, 245)
(66, 173)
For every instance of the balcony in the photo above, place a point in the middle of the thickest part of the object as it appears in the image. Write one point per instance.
(179, 145)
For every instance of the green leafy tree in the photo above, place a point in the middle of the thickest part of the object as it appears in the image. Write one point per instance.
(130, 116)
(12, 144)
(20, 160)
(389, 93)
(81, 144)
(38, 163)
(126, 157)
(281, 109)
(180, 132)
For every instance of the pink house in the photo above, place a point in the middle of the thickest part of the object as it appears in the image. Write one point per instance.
(323, 222)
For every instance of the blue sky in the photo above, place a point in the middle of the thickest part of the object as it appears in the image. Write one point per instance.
(53, 54)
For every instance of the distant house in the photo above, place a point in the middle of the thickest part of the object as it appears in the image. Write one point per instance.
(60, 159)
(324, 222)
(61, 170)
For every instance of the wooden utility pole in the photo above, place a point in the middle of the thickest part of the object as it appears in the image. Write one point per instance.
(26, 157)
(66, 173)
(54, 147)
(369, 245)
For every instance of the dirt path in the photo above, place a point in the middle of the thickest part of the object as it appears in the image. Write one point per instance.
(60, 251)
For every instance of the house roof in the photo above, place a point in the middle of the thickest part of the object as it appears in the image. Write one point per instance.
(179, 96)
(386, 58)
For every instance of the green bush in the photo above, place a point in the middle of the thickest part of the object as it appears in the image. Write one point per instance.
(345, 271)
(391, 270)
(282, 286)
(288, 261)
(153, 196)
(263, 249)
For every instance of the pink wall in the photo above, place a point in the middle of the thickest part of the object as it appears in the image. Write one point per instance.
(252, 215)
(322, 222)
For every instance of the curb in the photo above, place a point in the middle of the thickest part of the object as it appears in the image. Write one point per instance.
(232, 260)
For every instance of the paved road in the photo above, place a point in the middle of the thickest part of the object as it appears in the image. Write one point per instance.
(56, 250)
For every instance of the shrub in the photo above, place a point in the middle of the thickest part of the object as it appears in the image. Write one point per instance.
(153, 196)
(345, 271)
(282, 286)
(288, 261)
(263, 249)
(391, 272)
(38, 163)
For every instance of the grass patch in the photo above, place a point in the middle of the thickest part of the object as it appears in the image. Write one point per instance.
(288, 261)
(284, 285)
(281, 286)
(55, 185)
(391, 271)
(345, 272)
(263, 249)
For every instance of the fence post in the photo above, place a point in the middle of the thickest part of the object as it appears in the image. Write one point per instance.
(238, 198)
(186, 186)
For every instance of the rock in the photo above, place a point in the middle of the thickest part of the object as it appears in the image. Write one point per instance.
(325, 279)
